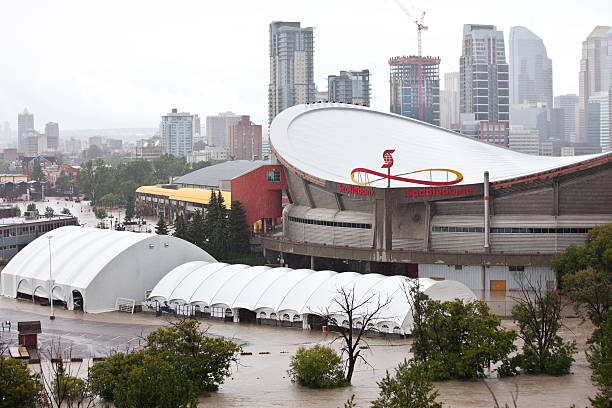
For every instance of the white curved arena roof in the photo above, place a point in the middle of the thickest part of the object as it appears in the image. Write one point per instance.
(328, 140)
(296, 292)
(101, 264)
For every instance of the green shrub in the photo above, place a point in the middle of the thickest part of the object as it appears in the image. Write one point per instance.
(460, 340)
(18, 388)
(107, 376)
(317, 367)
(411, 386)
(538, 316)
(156, 383)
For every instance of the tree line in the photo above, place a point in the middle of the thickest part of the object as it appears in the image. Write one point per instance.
(221, 232)
(115, 185)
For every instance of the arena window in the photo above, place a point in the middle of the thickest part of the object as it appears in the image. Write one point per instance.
(513, 230)
(330, 223)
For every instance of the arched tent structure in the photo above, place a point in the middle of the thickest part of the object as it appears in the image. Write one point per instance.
(97, 265)
(288, 294)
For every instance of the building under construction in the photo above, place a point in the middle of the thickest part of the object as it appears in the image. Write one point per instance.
(404, 83)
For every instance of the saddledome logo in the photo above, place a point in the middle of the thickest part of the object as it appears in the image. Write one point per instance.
(361, 176)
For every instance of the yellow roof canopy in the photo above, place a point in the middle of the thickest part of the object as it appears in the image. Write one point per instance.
(189, 195)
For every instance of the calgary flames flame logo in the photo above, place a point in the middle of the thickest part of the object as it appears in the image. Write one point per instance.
(388, 159)
(360, 177)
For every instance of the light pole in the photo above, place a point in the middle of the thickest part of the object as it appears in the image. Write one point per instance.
(52, 316)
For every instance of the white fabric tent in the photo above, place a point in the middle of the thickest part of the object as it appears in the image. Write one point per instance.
(295, 293)
(101, 265)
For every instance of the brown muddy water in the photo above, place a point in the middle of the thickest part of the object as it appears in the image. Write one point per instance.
(260, 379)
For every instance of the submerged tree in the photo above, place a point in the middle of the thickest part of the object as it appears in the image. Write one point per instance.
(352, 318)
(538, 314)
(411, 386)
(599, 355)
(316, 367)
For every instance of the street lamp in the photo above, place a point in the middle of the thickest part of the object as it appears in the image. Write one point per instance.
(52, 316)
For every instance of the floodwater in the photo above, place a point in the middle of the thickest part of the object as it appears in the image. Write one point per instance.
(260, 379)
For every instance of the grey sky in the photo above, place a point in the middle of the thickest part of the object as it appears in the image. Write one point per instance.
(105, 64)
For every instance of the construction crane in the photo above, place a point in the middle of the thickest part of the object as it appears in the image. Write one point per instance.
(420, 27)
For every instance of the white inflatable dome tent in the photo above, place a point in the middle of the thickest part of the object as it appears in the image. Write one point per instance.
(292, 295)
(95, 266)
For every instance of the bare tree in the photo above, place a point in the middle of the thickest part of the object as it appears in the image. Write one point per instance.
(60, 378)
(358, 316)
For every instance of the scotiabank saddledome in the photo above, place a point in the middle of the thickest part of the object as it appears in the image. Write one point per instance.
(383, 193)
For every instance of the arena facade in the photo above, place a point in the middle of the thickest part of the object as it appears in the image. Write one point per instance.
(372, 191)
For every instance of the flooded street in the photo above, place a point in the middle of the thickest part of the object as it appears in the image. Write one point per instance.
(260, 379)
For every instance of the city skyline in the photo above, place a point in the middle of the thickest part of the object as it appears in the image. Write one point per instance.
(93, 78)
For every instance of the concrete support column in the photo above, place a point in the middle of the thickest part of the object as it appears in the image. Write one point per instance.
(281, 259)
(236, 315)
(383, 234)
(312, 262)
(483, 273)
(305, 324)
(556, 197)
(487, 221)
(427, 225)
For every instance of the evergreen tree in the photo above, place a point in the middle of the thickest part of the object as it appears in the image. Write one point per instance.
(161, 228)
(180, 228)
(129, 208)
(218, 239)
(196, 230)
(238, 229)
(210, 217)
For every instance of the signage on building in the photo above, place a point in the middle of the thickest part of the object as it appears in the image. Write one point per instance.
(360, 175)
(437, 192)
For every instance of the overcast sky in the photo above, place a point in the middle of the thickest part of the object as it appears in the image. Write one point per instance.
(110, 64)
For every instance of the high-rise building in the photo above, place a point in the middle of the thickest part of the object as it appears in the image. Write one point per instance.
(52, 133)
(483, 75)
(404, 84)
(217, 127)
(568, 104)
(73, 146)
(595, 72)
(245, 140)
(449, 101)
(349, 87)
(177, 130)
(598, 120)
(530, 69)
(25, 122)
(291, 67)
(524, 140)
(33, 143)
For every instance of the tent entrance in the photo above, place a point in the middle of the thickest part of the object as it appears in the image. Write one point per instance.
(77, 300)
(247, 316)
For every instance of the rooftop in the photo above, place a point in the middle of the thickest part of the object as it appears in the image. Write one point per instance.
(229, 170)
(4, 222)
(327, 141)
